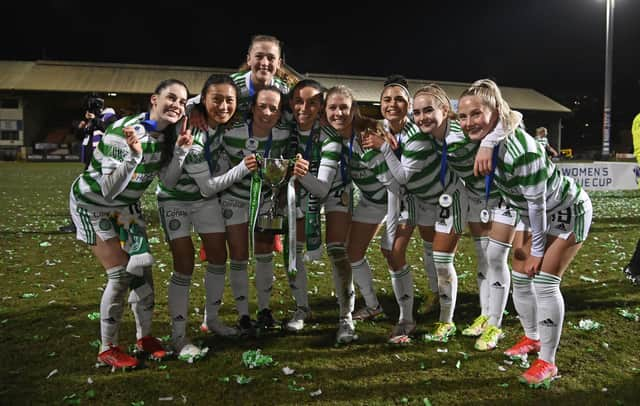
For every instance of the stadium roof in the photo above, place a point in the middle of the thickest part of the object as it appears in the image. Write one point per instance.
(86, 77)
(366, 88)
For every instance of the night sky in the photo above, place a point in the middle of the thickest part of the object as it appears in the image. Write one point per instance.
(554, 46)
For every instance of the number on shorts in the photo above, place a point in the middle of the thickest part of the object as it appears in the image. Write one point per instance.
(564, 216)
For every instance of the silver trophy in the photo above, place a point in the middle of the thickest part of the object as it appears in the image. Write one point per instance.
(275, 173)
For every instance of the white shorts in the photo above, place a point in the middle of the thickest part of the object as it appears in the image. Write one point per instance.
(444, 219)
(333, 201)
(95, 221)
(368, 212)
(500, 212)
(178, 219)
(234, 211)
(575, 219)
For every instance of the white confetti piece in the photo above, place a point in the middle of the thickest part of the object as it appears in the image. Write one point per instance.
(288, 371)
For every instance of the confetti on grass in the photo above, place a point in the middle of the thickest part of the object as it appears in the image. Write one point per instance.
(634, 316)
(255, 359)
(587, 279)
(72, 399)
(288, 371)
(315, 393)
(293, 386)
(242, 380)
(587, 325)
(191, 358)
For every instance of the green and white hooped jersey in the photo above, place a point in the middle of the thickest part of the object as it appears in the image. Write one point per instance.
(461, 153)
(243, 81)
(368, 169)
(195, 163)
(330, 148)
(525, 173)
(544, 141)
(422, 153)
(112, 152)
(234, 141)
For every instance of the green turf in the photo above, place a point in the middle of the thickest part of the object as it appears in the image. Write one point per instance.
(50, 285)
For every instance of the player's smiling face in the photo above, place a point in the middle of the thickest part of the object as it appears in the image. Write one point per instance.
(168, 107)
(393, 104)
(306, 105)
(220, 103)
(427, 114)
(339, 113)
(476, 118)
(266, 111)
(264, 61)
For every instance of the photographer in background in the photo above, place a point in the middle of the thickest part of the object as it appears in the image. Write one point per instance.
(90, 130)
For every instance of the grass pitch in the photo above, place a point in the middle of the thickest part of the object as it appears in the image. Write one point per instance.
(51, 287)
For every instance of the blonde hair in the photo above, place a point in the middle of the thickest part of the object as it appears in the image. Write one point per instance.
(343, 90)
(360, 123)
(542, 131)
(487, 90)
(440, 96)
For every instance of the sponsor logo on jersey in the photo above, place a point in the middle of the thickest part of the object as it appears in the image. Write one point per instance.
(175, 213)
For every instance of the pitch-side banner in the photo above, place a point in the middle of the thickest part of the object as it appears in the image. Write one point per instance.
(603, 175)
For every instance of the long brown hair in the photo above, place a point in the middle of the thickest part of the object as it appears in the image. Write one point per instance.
(171, 132)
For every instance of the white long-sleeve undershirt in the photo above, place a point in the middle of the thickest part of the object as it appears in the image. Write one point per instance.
(114, 183)
(210, 186)
(319, 186)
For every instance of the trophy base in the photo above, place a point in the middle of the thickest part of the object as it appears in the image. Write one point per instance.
(274, 225)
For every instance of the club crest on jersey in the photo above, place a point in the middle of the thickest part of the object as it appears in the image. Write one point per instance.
(174, 224)
(104, 224)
